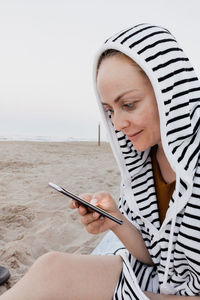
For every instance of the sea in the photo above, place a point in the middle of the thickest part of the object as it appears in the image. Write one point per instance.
(49, 138)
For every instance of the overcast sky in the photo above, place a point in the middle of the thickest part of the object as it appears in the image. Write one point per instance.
(47, 48)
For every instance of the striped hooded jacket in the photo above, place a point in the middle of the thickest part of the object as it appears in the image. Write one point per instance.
(174, 246)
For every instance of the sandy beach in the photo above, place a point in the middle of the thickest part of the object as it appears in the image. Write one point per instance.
(35, 219)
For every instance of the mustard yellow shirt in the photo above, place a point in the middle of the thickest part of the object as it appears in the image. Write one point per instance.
(164, 190)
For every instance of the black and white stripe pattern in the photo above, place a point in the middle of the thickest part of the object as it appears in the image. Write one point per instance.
(177, 91)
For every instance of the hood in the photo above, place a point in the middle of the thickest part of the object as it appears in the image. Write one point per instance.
(177, 91)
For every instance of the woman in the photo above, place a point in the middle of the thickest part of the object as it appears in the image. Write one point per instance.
(149, 96)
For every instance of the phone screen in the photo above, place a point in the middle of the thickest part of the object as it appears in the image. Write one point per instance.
(85, 203)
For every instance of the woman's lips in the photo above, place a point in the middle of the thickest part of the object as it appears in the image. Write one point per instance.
(134, 136)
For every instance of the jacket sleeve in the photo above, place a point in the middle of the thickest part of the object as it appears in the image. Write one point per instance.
(125, 210)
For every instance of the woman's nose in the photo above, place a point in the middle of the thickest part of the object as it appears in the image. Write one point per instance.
(119, 122)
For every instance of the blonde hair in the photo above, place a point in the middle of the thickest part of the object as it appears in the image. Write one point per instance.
(112, 52)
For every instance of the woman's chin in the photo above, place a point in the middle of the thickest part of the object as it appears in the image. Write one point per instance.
(140, 148)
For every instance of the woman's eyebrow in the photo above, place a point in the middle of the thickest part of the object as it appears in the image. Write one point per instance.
(117, 99)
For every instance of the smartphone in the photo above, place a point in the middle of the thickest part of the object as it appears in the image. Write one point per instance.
(85, 203)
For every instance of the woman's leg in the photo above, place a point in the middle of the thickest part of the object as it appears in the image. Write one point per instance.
(61, 276)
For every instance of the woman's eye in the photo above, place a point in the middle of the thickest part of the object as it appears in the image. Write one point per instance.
(109, 110)
(128, 105)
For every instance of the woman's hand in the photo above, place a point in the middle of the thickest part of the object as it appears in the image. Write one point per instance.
(93, 221)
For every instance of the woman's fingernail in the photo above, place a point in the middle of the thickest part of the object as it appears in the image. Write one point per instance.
(93, 201)
(95, 214)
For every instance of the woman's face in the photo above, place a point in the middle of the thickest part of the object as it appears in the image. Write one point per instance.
(127, 93)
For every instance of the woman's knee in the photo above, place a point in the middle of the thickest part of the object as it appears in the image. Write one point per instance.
(44, 278)
(50, 263)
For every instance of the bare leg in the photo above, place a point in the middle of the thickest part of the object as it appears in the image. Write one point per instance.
(61, 276)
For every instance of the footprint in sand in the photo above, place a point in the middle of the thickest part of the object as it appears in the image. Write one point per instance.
(16, 215)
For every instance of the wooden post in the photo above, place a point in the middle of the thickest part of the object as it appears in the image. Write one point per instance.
(99, 135)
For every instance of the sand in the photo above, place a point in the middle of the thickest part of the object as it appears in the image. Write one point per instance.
(35, 219)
